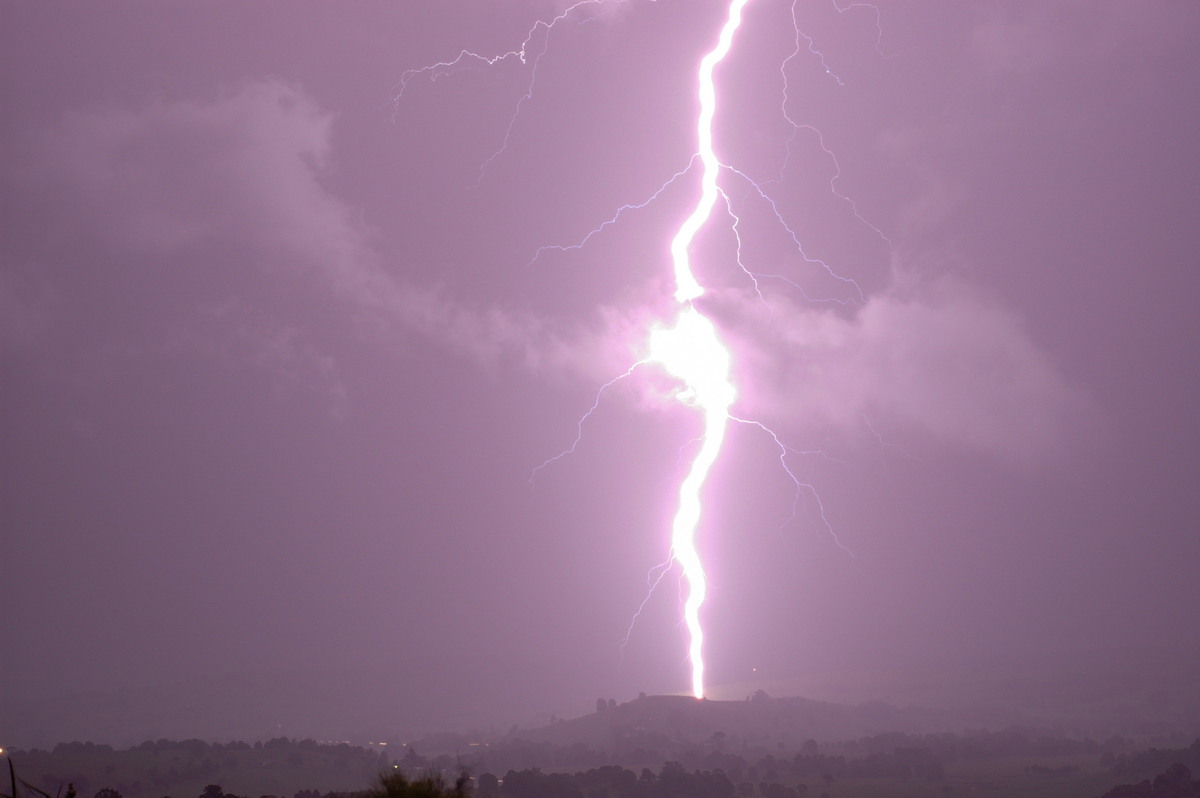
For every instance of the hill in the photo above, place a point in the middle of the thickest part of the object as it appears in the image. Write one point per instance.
(760, 719)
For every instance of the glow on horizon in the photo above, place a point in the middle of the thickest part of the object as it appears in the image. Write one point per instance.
(692, 352)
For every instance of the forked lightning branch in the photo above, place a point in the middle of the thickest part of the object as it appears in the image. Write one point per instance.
(688, 348)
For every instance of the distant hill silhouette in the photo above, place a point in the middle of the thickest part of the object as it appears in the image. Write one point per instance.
(683, 719)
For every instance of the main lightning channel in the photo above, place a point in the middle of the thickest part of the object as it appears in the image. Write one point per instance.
(690, 349)
(692, 352)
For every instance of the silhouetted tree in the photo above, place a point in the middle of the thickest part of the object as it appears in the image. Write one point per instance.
(488, 785)
(430, 785)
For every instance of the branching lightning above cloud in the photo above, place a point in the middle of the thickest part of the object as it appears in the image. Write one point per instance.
(689, 348)
(528, 54)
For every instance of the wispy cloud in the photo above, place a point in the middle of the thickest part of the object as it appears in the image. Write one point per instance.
(936, 357)
(241, 177)
(235, 184)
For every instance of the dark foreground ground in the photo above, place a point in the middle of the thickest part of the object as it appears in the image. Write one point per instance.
(655, 746)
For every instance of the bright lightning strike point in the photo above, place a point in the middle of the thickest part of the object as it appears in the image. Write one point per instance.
(689, 347)
(692, 352)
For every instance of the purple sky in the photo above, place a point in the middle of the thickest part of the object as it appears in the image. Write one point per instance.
(279, 352)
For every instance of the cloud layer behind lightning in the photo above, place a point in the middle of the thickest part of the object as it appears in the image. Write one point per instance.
(267, 333)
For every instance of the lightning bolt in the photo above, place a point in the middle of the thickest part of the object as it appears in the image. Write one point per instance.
(689, 348)
(527, 54)
(692, 352)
